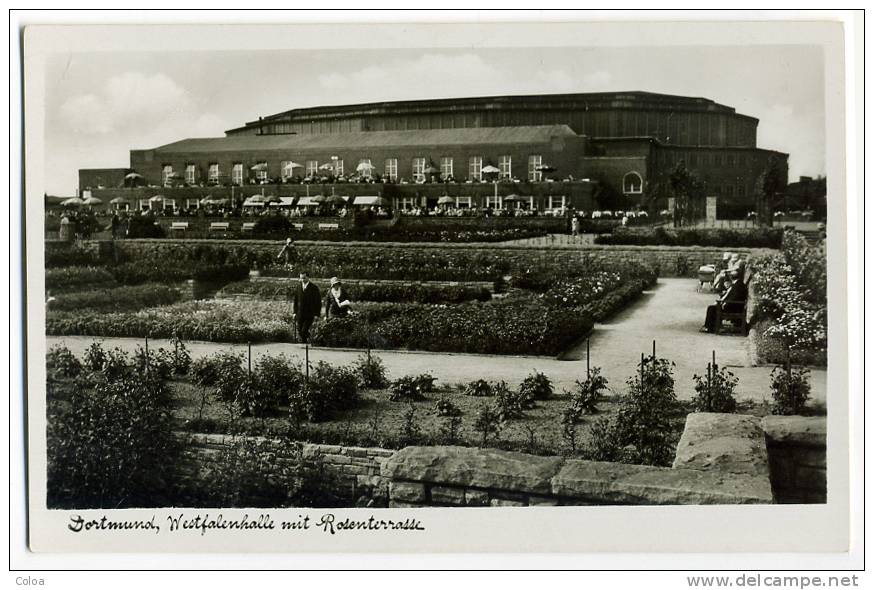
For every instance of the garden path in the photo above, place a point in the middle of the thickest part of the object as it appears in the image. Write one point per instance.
(671, 313)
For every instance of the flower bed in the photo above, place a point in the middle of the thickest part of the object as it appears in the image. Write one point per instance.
(117, 299)
(722, 238)
(791, 311)
(78, 277)
(386, 293)
(500, 327)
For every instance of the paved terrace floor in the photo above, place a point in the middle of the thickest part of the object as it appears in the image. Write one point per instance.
(671, 313)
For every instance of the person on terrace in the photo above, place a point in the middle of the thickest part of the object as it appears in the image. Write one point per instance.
(337, 304)
(731, 302)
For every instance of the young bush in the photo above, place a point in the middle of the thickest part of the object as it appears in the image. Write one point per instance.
(479, 388)
(180, 358)
(536, 386)
(715, 394)
(115, 447)
(156, 362)
(605, 443)
(62, 360)
(95, 357)
(411, 430)
(643, 422)
(450, 429)
(446, 408)
(371, 371)
(790, 390)
(406, 389)
(329, 391)
(487, 422)
(511, 404)
(278, 377)
(206, 370)
(584, 399)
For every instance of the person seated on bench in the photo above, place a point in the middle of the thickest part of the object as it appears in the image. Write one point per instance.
(722, 280)
(732, 302)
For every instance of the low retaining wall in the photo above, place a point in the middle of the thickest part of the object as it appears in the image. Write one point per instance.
(673, 261)
(721, 459)
(797, 455)
(357, 468)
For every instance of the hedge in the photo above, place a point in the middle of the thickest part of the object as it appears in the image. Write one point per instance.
(127, 298)
(721, 238)
(75, 277)
(386, 292)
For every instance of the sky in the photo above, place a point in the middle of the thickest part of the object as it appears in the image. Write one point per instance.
(101, 105)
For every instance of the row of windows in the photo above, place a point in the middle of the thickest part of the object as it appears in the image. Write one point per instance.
(693, 159)
(420, 169)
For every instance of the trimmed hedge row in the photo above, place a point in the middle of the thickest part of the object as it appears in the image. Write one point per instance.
(76, 277)
(722, 238)
(388, 293)
(128, 298)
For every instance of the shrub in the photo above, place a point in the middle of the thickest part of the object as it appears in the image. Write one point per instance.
(446, 408)
(479, 388)
(150, 271)
(95, 357)
(411, 431)
(144, 226)
(487, 422)
(155, 362)
(605, 441)
(207, 370)
(70, 255)
(221, 274)
(412, 388)
(279, 377)
(450, 429)
(371, 372)
(585, 397)
(273, 225)
(180, 358)
(715, 392)
(536, 386)
(114, 447)
(511, 404)
(329, 391)
(790, 390)
(59, 358)
(644, 421)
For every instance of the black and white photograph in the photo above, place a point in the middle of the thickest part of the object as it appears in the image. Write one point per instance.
(268, 282)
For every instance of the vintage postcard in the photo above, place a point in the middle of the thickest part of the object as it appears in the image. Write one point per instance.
(564, 287)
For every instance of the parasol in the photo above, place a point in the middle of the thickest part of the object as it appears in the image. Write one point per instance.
(490, 170)
(446, 200)
(91, 201)
(259, 166)
(319, 199)
(72, 202)
(364, 166)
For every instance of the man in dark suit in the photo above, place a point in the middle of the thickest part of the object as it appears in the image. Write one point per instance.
(306, 306)
(731, 302)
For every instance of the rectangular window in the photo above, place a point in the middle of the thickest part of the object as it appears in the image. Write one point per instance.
(407, 203)
(463, 202)
(168, 174)
(287, 169)
(534, 163)
(213, 175)
(557, 202)
(312, 168)
(261, 171)
(446, 168)
(237, 174)
(475, 168)
(338, 167)
(189, 173)
(505, 165)
(192, 204)
(495, 202)
(419, 169)
(391, 168)
(365, 168)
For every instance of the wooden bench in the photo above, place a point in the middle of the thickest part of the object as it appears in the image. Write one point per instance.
(179, 226)
(222, 226)
(249, 226)
(329, 226)
(297, 226)
(736, 316)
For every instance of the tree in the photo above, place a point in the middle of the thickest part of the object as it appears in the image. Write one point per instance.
(769, 186)
(687, 191)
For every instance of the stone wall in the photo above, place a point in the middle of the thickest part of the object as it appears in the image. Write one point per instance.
(797, 455)
(673, 261)
(721, 459)
(357, 468)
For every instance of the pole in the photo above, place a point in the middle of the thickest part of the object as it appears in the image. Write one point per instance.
(307, 349)
(250, 357)
(653, 350)
(146, 358)
(641, 371)
(587, 358)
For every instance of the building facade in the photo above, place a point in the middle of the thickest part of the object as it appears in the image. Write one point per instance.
(625, 140)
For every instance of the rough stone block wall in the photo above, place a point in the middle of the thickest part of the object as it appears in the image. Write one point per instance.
(797, 456)
(721, 459)
(358, 469)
